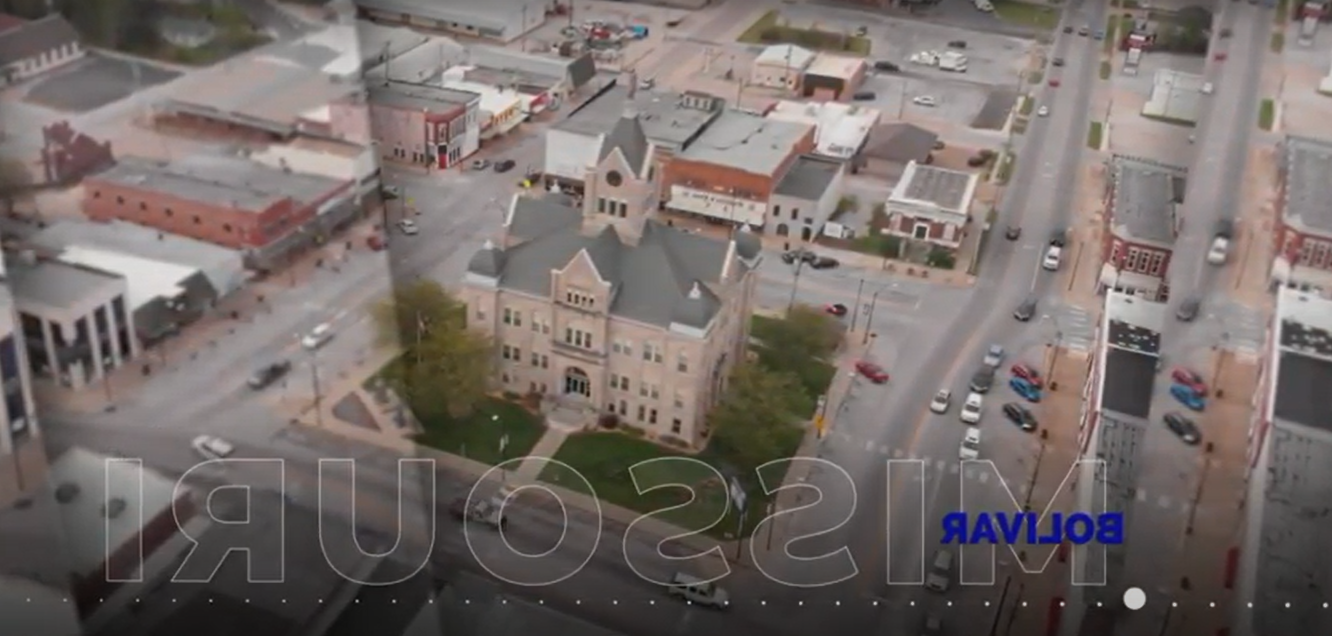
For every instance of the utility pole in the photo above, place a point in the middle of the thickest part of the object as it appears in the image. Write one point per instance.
(795, 282)
(855, 309)
(869, 320)
(1040, 455)
(314, 381)
(1198, 493)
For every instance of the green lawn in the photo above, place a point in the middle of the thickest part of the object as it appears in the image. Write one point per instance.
(1005, 169)
(1035, 77)
(1028, 102)
(767, 29)
(1278, 42)
(1094, 135)
(604, 460)
(477, 437)
(1033, 15)
(1266, 114)
(1105, 70)
(1172, 121)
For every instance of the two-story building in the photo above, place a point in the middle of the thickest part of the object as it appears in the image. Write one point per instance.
(1142, 201)
(412, 123)
(841, 131)
(833, 77)
(729, 173)
(931, 205)
(606, 310)
(1303, 234)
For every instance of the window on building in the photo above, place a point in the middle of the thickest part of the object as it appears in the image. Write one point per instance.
(682, 363)
(97, 194)
(197, 220)
(1131, 261)
(539, 323)
(120, 200)
(578, 338)
(642, 412)
(512, 317)
(601, 205)
(776, 211)
(795, 213)
(676, 425)
(480, 314)
(652, 416)
(226, 227)
(170, 212)
(143, 206)
(652, 352)
(504, 377)
(624, 408)
(1158, 263)
(1320, 254)
(679, 400)
(506, 352)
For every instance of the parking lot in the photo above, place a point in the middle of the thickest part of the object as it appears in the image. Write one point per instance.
(95, 82)
(1133, 134)
(928, 100)
(612, 13)
(1303, 108)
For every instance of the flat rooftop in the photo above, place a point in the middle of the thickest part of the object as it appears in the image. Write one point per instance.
(492, 14)
(263, 89)
(1131, 351)
(1129, 382)
(420, 97)
(747, 142)
(244, 184)
(808, 179)
(1308, 162)
(670, 120)
(947, 189)
(1304, 361)
(146, 279)
(839, 66)
(1146, 198)
(59, 285)
(421, 63)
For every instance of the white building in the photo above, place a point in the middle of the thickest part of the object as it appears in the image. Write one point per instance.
(840, 130)
(780, 66)
(341, 160)
(501, 109)
(1176, 95)
(931, 204)
(501, 20)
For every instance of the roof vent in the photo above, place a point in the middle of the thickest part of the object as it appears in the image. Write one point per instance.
(695, 292)
(67, 492)
(114, 507)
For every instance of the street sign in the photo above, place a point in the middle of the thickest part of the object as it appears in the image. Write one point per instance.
(738, 494)
(819, 423)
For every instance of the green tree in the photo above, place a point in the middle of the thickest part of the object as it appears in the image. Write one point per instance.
(26, 9)
(805, 333)
(756, 418)
(446, 368)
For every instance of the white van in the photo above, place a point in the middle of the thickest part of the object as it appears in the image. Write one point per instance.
(698, 591)
(970, 445)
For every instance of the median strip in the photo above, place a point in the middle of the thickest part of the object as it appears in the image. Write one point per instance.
(1094, 135)
(1266, 114)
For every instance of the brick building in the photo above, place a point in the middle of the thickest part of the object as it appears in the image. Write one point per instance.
(729, 173)
(833, 77)
(1142, 201)
(412, 123)
(68, 155)
(1303, 233)
(266, 213)
(931, 206)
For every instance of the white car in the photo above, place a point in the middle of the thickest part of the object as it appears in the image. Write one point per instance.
(1043, 111)
(1207, 88)
(993, 356)
(971, 409)
(408, 227)
(941, 401)
(924, 100)
(970, 445)
(212, 447)
(1219, 251)
(318, 337)
(1053, 255)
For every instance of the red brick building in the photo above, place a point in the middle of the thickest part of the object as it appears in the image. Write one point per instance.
(1142, 199)
(412, 123)
(1303, 233)
(931, 206)
(230, 201)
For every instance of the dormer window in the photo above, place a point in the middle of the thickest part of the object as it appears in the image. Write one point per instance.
(579, 299)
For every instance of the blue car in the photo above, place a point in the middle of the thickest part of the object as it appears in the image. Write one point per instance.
(1027, 390)
(1188, 397)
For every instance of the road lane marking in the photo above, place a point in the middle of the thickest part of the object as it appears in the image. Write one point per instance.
(869, 445)
(984, 476)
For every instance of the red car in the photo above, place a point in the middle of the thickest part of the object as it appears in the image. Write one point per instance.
(1028, 373)
(1054, 82)
(1189, 378)
(874, 372)
(1220, 57)
(836, 309)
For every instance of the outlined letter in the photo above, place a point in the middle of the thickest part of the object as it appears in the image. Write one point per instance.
(255, 526)
(646, 481)
(122, 494)
(837, 501)
(904, 525)
(488, 533)
(341, 541)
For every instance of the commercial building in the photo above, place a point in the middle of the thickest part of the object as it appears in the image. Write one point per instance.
(729, 173)
(1303, 232)
(671, 122)
(76, 322)
(1116, 408)
(503, 21)
(323, 156)
(1142, 202)
(502, 107)
(894, 146)
(347, 49)
(1283, 568)
(30, 48)
(833, 77)
(1176, 95)
(548, 79)
(412, 123)
(806, 197)
(604, 310)
(266, 213)
(841, 131)
(931, 205)
(780, 66)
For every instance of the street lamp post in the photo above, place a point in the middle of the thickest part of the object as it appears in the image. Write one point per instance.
(1054, 349)
(869, 318)
(1035, 472)
(314, 382)
(855, 311)
(795, 282)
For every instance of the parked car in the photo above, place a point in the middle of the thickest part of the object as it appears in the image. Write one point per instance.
(480, 164)
(941, 401)
(983, 380)
(957, 44)
(924, 100)
(1028, 373)
(1099, 34)
(1189, 378)
(647, 84)
(1084, 30)
(1207, 88)
(940, 577)
(1054, 82)
(1012, 232)
(825, 262)
(1020, 415)
(1026, 310)
(1185, 395)
(1043, 111)
(212, 447)
(408, 227)
(1058, 61)
(1220, 57)
(971, 409)
(1188, 309)
(1068, 29)
(505, 165)
(886, 66)
(1183, 427)
(993, 356)
(1028, 391)
(865, 96)
(1224, 228)
(697, 591)
(1053, 255)
(1219, 251)
(802, 255)
(268, 374)
(871, 371)
(970, 448)
(318, 337)
(836, 309)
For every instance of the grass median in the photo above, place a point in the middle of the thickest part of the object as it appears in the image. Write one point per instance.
(1095, 134)
(1266, 114)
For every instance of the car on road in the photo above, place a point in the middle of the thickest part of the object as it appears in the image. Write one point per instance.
(1219, 251)
(957, 44)
(1188, 309)
(836, 309)
(940, 577)
(873, 372)
(1020, 415)
(480, 164)
(993, 356)
(505, 165)
(1068, 29)
(1220, 57)
(1026, 390)
(1028, 373)
(802, 255)
(1012, 232)
(1188, 397)
(941, 401)
(698, 591)
(1043, 111)
(825, 262)
(1084, 30)
(982, 380)
(1099, 34)
(1189, 378)
(1182, 427)
(886, 66)
(971, 409)
(865, 96)
(408, 227)
(212, 447)
(970, 448)
(1054, 82)
(1058, 61)
(1053, 255)
(318, 337)
(268, 374)
(1207, 88)
(1025, 311)
(647, 84)
(924, 100)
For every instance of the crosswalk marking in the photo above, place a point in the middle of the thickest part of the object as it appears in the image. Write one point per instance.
(984, 476)
(869, 446)
(1142, 496)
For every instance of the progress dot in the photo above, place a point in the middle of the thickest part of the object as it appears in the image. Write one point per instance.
(1134, 598)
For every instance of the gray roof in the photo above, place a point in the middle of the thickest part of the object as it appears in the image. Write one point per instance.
(493, 15)
(662, 279)
(940, 186)
(239, 182)
(670, 121)
(809, 178)
(34, 38)
(1146, 198)
(418, 96)
(58, 284)
(748, 142)
(1129, 382)
(420, 64)
(628, 137)
(505, 59)
(900, 142)
(1308, 163)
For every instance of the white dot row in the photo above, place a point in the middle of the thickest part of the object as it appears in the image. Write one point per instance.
(798, 603)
